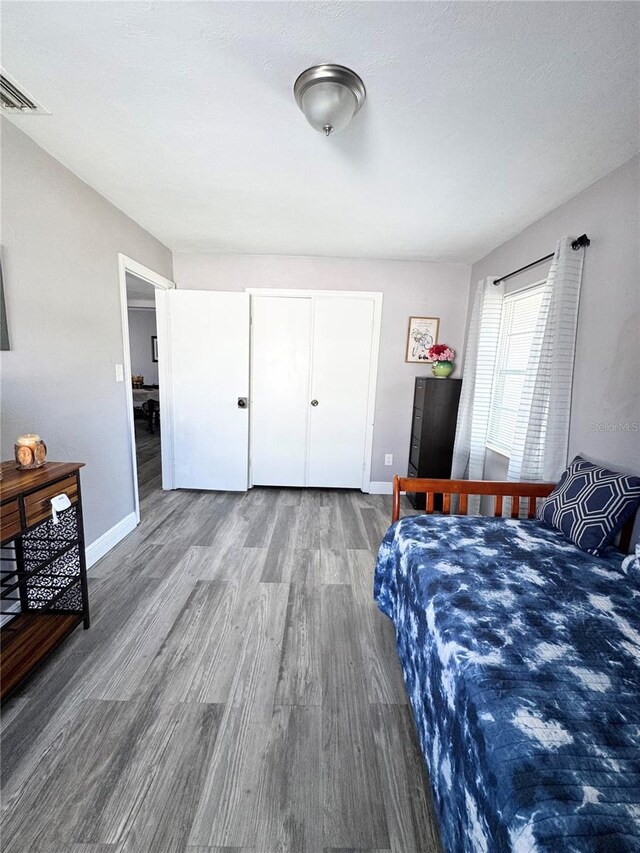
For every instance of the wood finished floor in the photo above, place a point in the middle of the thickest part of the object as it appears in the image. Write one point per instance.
(238, 691)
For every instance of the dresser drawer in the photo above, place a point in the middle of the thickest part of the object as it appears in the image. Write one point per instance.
(37, 506)
(414, 452)
(416, 424)
(10, 520)
(418, 397)
(416, 501)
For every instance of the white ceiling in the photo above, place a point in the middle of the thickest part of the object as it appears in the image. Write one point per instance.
(139, 291)
(480, 117)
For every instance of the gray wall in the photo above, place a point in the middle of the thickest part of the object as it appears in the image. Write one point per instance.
(606, 390)
(410, 288)
(142, 325)
(60, 244)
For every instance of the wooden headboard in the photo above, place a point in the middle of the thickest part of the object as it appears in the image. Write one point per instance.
(495, 488)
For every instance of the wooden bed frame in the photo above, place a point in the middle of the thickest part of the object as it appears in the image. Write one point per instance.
(496, 488)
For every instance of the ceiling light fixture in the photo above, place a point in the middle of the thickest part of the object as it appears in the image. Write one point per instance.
(329, 96)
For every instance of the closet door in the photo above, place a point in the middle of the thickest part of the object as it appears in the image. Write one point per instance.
(280, 359)
(342, 341)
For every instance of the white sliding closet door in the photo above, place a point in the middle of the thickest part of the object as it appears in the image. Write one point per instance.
(342, 341)
(209, 357)
(280, 361)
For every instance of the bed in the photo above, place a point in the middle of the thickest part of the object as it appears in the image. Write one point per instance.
(521, 658)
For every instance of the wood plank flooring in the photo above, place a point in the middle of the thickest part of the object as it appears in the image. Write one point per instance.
(238, 691)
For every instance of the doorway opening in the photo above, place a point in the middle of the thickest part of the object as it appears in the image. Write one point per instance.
(145, 372)
(143, 353)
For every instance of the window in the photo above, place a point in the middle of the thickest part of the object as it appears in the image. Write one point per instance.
(519, 315)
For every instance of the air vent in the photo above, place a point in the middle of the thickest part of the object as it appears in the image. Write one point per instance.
(15, 100)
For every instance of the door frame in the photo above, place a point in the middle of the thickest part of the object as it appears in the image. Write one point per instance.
(161, 285)
(376, 296)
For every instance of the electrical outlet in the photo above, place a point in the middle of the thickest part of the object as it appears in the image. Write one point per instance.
(119, 373)
(388, 458)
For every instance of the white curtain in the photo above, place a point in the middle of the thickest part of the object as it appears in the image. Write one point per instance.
(541, 437)
(477, 383)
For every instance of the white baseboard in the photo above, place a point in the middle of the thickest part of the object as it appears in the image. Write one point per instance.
(103, 544)
(380, 487)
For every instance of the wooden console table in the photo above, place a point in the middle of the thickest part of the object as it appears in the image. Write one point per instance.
(43, 574)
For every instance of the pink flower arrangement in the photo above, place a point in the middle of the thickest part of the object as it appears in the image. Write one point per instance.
(441, 352)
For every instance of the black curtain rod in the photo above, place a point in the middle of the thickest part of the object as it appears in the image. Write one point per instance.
(581, 243)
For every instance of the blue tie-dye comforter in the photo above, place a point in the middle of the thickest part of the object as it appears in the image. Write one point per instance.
(521, 656)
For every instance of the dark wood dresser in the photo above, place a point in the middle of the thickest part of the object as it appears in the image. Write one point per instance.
(43, 574)
(433, 429)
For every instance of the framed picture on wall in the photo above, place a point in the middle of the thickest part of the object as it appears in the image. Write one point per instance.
(423, 332)
(154, 347)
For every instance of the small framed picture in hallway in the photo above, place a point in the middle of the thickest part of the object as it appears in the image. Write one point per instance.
(154, 347)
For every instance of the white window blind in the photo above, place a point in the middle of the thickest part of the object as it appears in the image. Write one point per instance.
(519, 315)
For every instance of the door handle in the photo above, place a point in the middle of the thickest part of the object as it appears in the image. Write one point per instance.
(242, 402)
(314, 403)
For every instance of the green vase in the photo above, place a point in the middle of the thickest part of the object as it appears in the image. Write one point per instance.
(442, 369)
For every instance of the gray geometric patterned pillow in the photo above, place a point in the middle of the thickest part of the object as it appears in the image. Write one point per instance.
(590, 504)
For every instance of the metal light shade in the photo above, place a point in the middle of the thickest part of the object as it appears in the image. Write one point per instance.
(329, 96)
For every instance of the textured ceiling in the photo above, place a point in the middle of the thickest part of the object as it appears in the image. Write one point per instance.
(480, 117)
